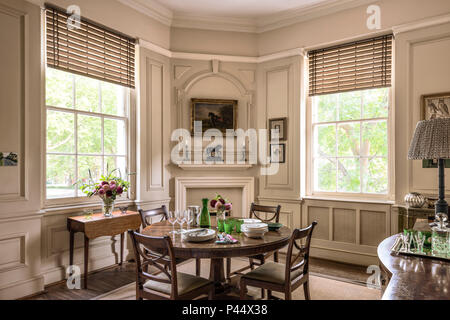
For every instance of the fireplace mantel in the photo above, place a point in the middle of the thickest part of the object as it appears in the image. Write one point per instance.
(247, 184)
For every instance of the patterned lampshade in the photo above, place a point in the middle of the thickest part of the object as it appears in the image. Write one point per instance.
(431, 140)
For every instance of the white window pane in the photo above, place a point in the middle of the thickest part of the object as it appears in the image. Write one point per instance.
(115, 137)
(375, 142)
(60, 176)
(113, 99)
(92, 165)
(60, 132)
(349, 139)
(325, 140)
(325, 108)
(89, 135)
(375, 175)
(376, 103)
(87, 94)
(117, 164)
(59, 89)
(325, 175)
(349, 176)
(350, 105)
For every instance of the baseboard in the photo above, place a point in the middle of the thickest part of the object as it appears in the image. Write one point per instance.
(22, 289)
(58, 274)
(345, 257)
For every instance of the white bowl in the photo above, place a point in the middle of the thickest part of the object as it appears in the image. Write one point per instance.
(199, 235)
(255, 235)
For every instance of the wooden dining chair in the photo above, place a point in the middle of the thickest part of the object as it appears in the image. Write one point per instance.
(168, 284)
(286, 278)
(266, 214)
(162, 214)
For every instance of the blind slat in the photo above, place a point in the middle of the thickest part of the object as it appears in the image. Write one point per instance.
(353, 66)
(90, 50)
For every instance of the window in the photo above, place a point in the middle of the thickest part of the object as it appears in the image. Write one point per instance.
(350, 142)
(87, 126)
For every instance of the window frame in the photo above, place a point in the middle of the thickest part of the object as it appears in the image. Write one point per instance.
(129, 122)
(310, 155)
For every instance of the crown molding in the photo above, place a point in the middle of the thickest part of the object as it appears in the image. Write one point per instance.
(420, 24)
(164, 15)
(152, 9)
(223, 58)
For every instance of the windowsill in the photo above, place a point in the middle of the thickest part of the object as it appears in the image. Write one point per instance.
(79, 207)
(350, 199)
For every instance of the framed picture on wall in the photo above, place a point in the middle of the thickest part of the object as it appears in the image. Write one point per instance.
(280, 125)
(278, 153)
(435, 106)
(214, 114)
(9, 159)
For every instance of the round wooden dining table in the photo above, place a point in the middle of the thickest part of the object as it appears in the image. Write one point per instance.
(272, 241)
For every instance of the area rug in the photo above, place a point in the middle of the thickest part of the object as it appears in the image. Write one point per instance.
(322, 288)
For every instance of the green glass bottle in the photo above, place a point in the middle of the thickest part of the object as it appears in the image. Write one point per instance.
(205, 218)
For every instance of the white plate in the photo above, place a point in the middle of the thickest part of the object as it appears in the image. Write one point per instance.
(199, 235)
(256, 226)
(251, 221)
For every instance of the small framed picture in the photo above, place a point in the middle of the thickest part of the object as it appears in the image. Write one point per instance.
(9, 159)
(280, 125)
(278, 153)
(435, 106)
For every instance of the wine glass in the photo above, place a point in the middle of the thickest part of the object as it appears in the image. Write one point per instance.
(172, 218)
(189, 218)
(181, 219)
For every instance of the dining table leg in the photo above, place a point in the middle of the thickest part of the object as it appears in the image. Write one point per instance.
(217, 273)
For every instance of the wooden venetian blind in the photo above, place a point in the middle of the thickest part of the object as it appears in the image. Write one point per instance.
(353, 66)
(91, 50)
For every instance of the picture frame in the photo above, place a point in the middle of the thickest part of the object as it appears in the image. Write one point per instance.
(215, 153)
(9, 159)
(281, 125)
(218, 114)
(279, 149)
(434, 106)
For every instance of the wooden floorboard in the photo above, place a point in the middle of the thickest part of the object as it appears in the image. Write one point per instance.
(107, 280)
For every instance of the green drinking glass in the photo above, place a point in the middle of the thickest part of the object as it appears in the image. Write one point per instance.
(221, 225)
(229, 226)
(239, 224)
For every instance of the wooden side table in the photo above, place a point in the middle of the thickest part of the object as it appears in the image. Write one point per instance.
(97, 226)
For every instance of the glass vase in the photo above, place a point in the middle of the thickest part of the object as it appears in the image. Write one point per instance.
(108, 208)
(205, 217)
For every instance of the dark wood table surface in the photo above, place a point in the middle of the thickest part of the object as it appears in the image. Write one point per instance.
(96, 226)
(413, 278)
(216, 252)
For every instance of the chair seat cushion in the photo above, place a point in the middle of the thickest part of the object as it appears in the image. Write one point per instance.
(272, 272)
(186, 283)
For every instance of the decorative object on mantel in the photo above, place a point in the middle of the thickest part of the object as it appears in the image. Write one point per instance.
(214, 153)
(108, 188)
(9, 159)
(214, 114)
(414, 200)
(432, 141)
(280, 125)
(431, 202)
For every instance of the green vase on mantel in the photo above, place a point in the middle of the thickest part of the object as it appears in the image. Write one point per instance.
(205, 217)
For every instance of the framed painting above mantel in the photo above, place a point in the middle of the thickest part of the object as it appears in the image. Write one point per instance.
(214, 114)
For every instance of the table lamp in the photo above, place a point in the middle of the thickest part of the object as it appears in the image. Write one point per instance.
(432, 141)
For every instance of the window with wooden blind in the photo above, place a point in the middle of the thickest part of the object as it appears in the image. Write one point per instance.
(89, 50)
(354, 66)
(350, 119)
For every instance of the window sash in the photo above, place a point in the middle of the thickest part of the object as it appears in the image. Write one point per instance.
(103, 155)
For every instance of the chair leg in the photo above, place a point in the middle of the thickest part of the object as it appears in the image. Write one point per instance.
(252, 264)
(269, 294)
(306, 289)
(263, 295)
(288, 295)
(198, 266)
(228, 269)
(212, 293)
(275, 256)
(243, 286)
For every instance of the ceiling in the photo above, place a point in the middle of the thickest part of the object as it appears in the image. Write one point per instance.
(253, 16)
(235, 8)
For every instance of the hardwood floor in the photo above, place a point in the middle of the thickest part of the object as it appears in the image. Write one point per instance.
(107, 280)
